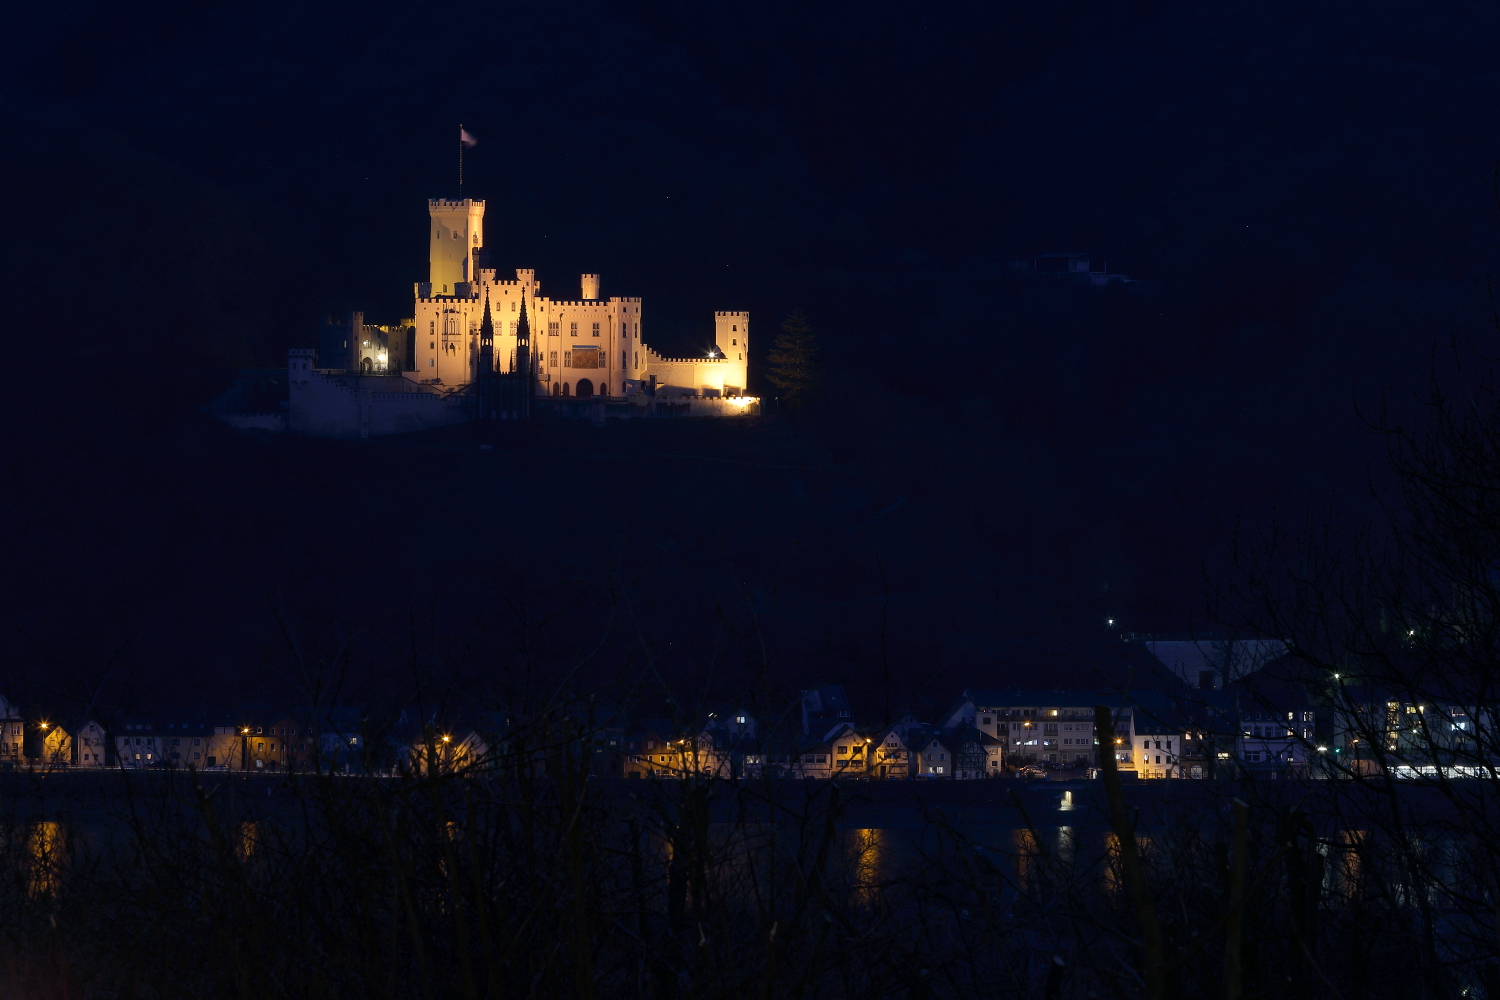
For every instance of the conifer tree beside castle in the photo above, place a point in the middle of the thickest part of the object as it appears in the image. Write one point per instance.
(793, 360)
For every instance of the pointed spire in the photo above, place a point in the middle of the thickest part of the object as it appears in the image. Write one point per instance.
(486, 340)
(487, 325)
(522, 365)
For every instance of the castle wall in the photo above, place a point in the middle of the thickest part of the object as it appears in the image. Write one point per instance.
(646, 408)
(598, 340)
(447, 326)
(349, 406)
(588, 339)
(695, 376)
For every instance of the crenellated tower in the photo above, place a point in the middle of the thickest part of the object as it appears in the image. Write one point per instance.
(456, 228)
(732, 337)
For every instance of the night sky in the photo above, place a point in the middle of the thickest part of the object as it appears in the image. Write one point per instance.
(997, 466)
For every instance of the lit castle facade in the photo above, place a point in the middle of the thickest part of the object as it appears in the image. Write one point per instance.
(473, 330)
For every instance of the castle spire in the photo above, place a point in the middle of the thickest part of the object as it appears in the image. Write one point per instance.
(486, 340)
(523, 381)
(523, 343)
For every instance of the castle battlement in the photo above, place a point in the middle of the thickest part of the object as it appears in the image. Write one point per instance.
(731, 313)
(455, 203)
(652, 356)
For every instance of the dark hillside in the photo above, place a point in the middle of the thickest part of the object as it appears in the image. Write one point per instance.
(998, 464)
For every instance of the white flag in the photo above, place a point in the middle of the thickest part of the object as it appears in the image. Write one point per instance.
(465, 138)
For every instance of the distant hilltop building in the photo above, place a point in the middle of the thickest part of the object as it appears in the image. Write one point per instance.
(482, 346)
(1090, 268)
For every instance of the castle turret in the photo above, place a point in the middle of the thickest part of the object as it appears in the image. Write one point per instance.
(456, 227)
(300, 363)
(732, 336)
(354, 342)
(590, 286)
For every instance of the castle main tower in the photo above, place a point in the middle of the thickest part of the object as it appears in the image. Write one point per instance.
(457, 227)
(732, 337)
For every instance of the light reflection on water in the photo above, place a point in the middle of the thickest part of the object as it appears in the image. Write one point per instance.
(247, 841)
(46, 856)
(1349, 869)
(867, 852)
(1026, 848)
(866, 861)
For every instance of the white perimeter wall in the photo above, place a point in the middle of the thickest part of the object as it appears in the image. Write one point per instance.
(342, 406)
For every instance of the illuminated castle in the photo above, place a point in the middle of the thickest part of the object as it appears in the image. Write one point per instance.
(430, 370)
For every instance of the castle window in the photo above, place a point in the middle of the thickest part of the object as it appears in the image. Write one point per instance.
(552, 359)
(567, 361)
(596, 329)
(734, 328)
(733, 342)
(637, 359)
(554, 329)
(572, 329)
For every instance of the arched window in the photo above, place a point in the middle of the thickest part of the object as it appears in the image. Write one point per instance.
(565, 388)
(556, 388)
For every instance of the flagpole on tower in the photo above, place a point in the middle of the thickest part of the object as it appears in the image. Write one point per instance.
(460, 161)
